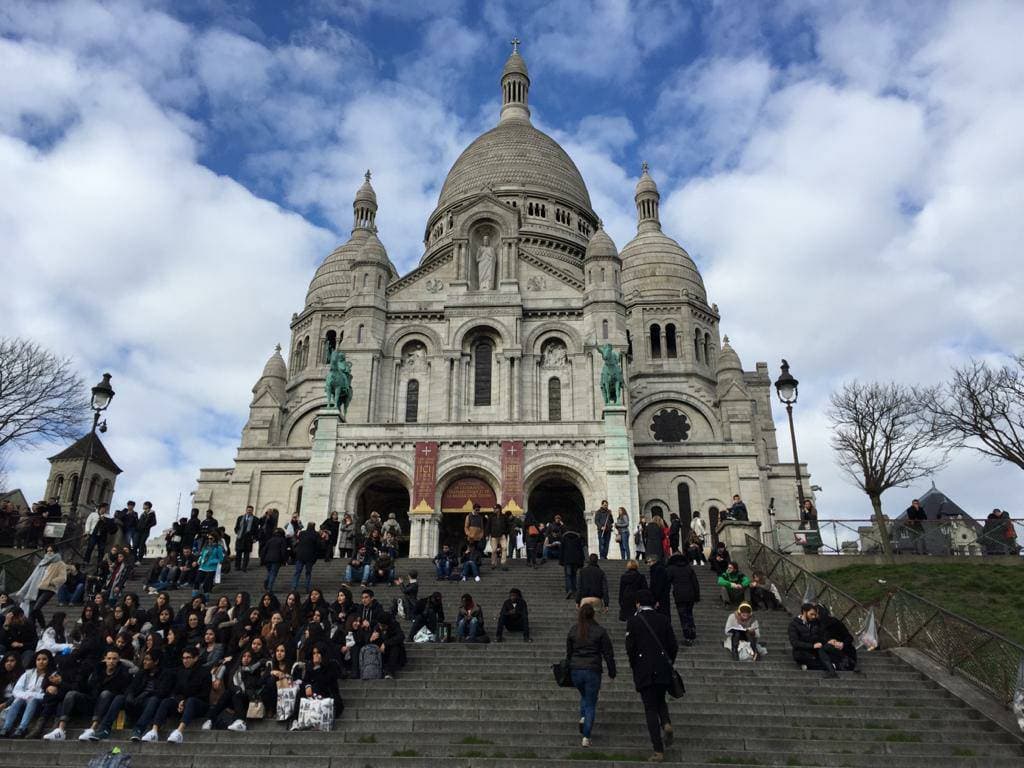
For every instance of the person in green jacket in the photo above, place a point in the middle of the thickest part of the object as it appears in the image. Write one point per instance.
(734, 585)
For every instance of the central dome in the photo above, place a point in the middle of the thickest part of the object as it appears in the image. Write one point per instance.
(515, 156)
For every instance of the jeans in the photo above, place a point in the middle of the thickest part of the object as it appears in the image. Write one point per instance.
(685, 611)
(67, 596)
(108, 717)
(570, 577)
(513, 624)
(20, 708)
(204, 582)
(552, 553)
(470, 568)
(496, 542)
(443, 569)
(148, 713)
(194, 709)
(624, 545)
(467, 629)
(243, 551)
(272, 569)
(95, 542)
(350, 574)
(603, 540)
(36, 614)
(131, 538)
(299, 568)
(588, 683)
(656, 713)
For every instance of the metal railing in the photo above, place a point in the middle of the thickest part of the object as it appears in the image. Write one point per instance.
(988, 660)
(67, 547)
(949, 536)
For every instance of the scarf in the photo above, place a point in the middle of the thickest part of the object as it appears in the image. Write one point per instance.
(29, 591)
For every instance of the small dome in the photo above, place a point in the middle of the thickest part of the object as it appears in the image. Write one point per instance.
(728, 360)
(332, 279)
(365, 192)
(656, 266)
(601, 246)
(373, 253)
(515, 65)
(275, 367)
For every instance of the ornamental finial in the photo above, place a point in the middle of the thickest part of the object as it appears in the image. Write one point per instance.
(515, 44)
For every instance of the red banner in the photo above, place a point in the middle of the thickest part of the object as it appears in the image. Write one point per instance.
(461, 495)
(424, 481)
(512, 476)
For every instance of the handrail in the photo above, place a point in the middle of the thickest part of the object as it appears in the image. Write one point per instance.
(38, 552)
(987, 659)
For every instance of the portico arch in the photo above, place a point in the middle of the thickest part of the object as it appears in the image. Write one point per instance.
(558, 489)
(385, 490)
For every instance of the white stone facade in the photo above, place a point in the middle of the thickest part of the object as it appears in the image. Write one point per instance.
(493, 338)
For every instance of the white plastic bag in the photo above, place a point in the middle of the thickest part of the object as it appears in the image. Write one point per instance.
(424, 636)
(216, 576)
(868, 637)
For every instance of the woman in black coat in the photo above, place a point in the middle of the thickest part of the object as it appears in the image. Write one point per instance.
(307, 548)
(651, 647)
(654, 536)
(332, 525)
(631, 582)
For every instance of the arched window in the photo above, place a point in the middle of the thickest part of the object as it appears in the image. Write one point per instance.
(73, 488)
(298, 501)
(366, 278)
(305, 352)
(697, 344)
(670, 340)
(707, 348)
(297, 356)
(602, 274)
(330, 344)
(359, 335)
(554, 399)
(90, 495)
(105, 492)
(655, 340)
(482, 373)
(380, 279)
(58, 486)
(604, 329)
(685, 506)
(412, 401)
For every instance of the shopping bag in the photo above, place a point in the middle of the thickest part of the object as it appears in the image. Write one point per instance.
(286, 702)
(256, 711)
(216, 576)
(316, 714)
(423, 636)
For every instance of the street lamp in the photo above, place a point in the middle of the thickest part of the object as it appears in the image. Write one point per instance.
(787, 388)
(102, 394)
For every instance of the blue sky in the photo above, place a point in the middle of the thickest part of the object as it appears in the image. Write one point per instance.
(848, 175)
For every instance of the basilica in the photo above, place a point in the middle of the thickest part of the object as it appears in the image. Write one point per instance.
(476, 377)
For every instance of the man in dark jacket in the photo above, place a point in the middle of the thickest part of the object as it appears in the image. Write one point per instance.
(146, 690)
(307, 547)
(651, 647)
(571, 555)
(147, 521)
(189, 695)
(502, 527)
(661, 586)
(592, 583)
(604, 523)
(275, 553)
(686, 591)
(514, 616)
(108, 681)
(245, 533)
(810, 649)
(429, 613)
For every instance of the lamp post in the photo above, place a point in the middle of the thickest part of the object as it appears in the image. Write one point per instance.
(786, 387)
(102, 394)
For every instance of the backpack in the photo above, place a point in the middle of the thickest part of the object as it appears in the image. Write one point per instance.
(115, 758)
(370, 665)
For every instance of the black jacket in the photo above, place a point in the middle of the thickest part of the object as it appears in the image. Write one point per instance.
(591, 581)
(685, 585)
(651, 647)
(661, 586)
(307, 545)
(572, 549)
(630, 583)
(653, 538)
(145, 684)
(116, 683)
(803, 635)
(191, 683)
(275, 550)
(587, 654)
(516, 611)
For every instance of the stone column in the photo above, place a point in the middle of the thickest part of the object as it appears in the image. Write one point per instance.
(319, 472)
(424, 534)
(620, 470)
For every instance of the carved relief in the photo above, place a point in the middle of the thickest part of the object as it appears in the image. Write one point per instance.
(537, 283)
(554, 354)
(414, 356)
(435, 285)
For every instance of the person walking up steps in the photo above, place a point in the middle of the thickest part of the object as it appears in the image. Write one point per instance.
(651, 647)
(585, 646)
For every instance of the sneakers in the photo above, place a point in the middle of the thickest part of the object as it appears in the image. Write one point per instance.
(476, 578)
(175, 737)
(657, 757)
(87, 735)
(101, 734)
(585, 742)
(136, 736)
(238, 725)
(295, 726)
(208, 725)
(57, 734)
(151, 735)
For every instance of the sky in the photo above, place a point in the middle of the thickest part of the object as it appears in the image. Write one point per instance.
(848, 176)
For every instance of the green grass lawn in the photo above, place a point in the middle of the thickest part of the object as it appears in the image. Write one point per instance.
(990, 595)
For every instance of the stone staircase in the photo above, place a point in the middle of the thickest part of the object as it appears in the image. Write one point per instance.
(497, 705)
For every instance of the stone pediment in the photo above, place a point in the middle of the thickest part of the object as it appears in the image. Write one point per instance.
(264, 398)
(548, 274)
(427, 281)
(734, 392)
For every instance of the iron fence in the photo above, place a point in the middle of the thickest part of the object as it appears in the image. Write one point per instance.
(14, 569)
(990, 661)
(949, 536)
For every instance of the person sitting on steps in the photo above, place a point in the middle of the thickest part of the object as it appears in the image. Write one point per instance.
(445, 563)
(514, 616)
(470, 621)
(810, 649)
(734, 585)
(742, 635)
(471, 561)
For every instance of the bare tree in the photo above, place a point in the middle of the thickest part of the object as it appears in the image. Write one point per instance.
(982, 408)
(41, 397)
(882, 440)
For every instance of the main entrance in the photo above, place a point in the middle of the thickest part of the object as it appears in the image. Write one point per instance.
(386, 496)
(457, 501)
(558, 496)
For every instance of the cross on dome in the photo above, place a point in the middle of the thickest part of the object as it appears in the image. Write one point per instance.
(515, 41)
(643, 167)
(367, 175)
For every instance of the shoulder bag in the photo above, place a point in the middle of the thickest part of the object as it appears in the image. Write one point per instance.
(676, 688)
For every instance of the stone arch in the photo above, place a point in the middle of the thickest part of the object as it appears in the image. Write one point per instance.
(472, 324)
(417, 332)
(675, 398)
(294, 501)
(370, 471)
(298, 415)
(566, 332)
(449, 471)
(559, 470)
(650, 504)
